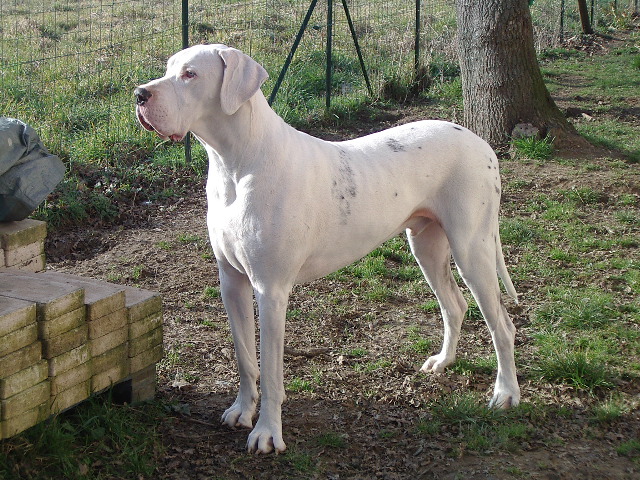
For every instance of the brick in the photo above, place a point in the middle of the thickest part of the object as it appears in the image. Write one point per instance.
(70, 378)
(52, 298)
(20, 359)
(57, 326)
(141, 303)
(16, 425)
(110, 377)
(70, 397)
(18, 339)
(101, 298)
(23, 379)
(143, 384)
(108, 323)
(98, 346)
(15, 314)
(145, 325)
(26, 400)
(111, 358)
(69, 359)
(23, 254)
(52, 347)
(24, 232)
(33, 265)
(146, 358)
(145, 342)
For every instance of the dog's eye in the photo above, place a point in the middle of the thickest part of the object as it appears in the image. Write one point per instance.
(189, 74)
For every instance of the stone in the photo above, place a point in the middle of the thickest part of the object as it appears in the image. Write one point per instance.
(15, 314)
(69, 359)
(20, 359)
(25, 400)
(52, 298)
(24, 232)
(18, 339)
(52, 347)
(100, 298)
(107, 324)
(23, 379)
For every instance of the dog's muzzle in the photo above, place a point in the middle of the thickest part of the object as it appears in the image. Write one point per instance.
(142, 95)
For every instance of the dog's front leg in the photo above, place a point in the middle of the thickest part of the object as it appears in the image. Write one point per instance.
(237, 296)
(267, 434)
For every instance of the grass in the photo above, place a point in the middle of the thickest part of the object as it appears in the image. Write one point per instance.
(97, 439)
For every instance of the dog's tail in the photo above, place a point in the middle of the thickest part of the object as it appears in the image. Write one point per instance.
(502, 271)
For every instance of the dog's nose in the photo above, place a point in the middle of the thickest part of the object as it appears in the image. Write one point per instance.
(142, 95)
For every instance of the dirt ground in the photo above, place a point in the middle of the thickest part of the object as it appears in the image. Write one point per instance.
(343, 422)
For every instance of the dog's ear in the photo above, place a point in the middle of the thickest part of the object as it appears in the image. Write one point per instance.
(242, 78)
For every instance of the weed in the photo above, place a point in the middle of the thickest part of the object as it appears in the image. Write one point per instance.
(331, 439)
(609, 410)
(515, 231)
(630, 449)
(299, 385)
(116, 441)
(533, 148)
(211, 293)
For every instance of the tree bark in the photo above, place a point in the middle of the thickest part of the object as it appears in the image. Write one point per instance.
(502, 85)
(584, 17)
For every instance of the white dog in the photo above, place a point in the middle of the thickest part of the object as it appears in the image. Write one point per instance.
(285, 207)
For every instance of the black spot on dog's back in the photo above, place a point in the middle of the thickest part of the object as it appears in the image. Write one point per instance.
(395, 145)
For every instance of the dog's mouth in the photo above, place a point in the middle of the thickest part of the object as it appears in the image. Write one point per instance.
(147, 126)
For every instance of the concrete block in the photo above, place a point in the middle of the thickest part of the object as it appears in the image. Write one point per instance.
(33, 416)
(110, 377)
(145, 342)
(23, 254)
(101, 298)
(20, 359)
(111, 358)
(98, 346)
(15, 314)
(70, 397)
(52, 347)
(18, 339)
(33, 265)
(25, 400)
(23, 379)
(57, 326)
(146, 358)
(142, 303)
(145, 325)
(143, 384)
(107, 323)
(52, 298)
(69, 359)
(17, 234)
(70, 378)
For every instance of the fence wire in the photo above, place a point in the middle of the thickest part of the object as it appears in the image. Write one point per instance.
(72, 64)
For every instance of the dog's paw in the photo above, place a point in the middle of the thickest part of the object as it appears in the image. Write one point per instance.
(236, 416)
(266, 439)
(436, 363)
(505, 399)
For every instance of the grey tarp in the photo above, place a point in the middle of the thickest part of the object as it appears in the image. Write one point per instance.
(28, 172)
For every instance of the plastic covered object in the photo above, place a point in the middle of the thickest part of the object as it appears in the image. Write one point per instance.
(28, 172)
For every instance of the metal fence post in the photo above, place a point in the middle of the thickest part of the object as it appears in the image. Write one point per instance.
(185, 44)
(329, 53)
(416, 47)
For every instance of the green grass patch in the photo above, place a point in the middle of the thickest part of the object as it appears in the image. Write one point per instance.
(97, 439)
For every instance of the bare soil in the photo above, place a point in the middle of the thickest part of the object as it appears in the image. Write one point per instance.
(374, 413)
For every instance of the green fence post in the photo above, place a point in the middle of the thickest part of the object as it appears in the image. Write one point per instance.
(185, 44)
(329, 54)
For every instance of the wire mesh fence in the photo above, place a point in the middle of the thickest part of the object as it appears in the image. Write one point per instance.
(68, 67)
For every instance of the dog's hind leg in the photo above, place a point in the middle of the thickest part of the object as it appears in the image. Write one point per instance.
(237, 296)
(477, 265)
(432, 251)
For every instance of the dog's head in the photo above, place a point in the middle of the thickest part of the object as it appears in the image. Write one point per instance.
(199, 81)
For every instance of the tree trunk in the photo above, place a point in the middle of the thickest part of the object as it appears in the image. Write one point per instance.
(502, 85)
(584, 17)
